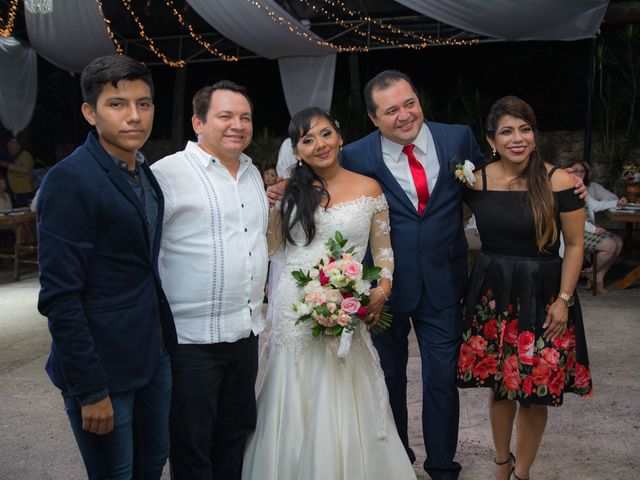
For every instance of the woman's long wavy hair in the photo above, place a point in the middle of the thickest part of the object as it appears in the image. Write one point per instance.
(305, 190)
(534, 175)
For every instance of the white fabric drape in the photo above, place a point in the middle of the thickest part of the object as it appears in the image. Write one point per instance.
(18, 84)
(307, 81)
(253, 28)
(71, 36)
(517, 19)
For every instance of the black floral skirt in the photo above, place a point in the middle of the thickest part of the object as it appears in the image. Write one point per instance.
(503, 344)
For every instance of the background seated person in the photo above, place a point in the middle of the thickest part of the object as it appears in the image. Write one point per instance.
(19, 173)
(607, 244)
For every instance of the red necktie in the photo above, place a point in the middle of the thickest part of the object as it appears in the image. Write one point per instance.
(419, 177)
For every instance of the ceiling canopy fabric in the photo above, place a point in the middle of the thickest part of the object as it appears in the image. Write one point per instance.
(18, 84)
(69, 36)
(261, 26)
(517, 19)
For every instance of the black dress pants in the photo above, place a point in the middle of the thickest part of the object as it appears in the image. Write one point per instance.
(213, 408)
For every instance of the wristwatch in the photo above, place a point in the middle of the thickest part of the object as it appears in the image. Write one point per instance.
(568, 298)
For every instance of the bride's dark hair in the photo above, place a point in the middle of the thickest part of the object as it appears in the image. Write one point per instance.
(305, 189)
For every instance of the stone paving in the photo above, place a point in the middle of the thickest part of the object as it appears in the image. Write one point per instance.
(596, 438)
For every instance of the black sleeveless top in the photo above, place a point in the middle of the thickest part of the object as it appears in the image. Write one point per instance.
(505, 220)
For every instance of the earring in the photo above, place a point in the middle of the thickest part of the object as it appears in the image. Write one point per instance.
(299, 162)
(494, 152)
(534, 148)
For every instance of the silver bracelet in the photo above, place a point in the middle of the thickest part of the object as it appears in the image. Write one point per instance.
(383, 294)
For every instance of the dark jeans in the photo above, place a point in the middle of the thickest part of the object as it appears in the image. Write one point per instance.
(439, 334)
(213, 408)
(138, 446)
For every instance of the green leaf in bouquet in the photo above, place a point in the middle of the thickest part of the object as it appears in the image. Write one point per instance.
(340, 239)
(370, 273)
(350, 250)
(323, 310)
(303, 318)
(317, 330)
(301, 278)
(334, 331)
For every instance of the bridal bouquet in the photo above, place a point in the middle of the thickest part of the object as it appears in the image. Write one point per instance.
(336, 292)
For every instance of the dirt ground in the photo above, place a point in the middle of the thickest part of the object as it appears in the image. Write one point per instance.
(595, 438)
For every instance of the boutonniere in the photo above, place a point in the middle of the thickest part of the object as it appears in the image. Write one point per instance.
(464, 172)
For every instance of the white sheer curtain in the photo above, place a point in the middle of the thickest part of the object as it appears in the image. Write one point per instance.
(242, 22)
(18, 84)
(71, 36)
(517, 19)
(307, 81)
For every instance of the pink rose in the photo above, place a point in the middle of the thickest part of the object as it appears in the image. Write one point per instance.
(333, 296)
(525, 347)
(350, 305)
(477, 344)
(331, 307)
(511, 332)
(556, 384)
(467, 358)
(511, 374)
(492, 304)
(527, 385)
(353, 269)
(550, 356)
(583, 376)
(487, 365)
(491, 329)
(343, 320)
(317, 298)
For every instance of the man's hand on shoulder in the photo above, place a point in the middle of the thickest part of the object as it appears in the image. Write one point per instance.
(98, 417)
(274, 192)
(580, 190)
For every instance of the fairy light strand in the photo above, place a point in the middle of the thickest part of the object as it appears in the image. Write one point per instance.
(150, 43)
(7, 29)
(212, 50)
(107, 24)
(424, 40)
(293, 28)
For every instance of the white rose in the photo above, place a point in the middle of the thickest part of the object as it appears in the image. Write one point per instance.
(467, 169)
(302, 308)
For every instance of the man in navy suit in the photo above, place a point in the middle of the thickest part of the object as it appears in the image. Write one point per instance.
(99, 223)
(425, 202)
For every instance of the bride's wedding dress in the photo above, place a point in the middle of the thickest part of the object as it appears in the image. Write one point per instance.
(320, 416)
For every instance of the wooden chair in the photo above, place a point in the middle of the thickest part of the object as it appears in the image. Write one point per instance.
(24, 253)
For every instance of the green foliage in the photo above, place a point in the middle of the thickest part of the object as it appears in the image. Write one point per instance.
(617, 82)
(301, 278)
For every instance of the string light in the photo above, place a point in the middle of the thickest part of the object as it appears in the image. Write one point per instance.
(198, 38)
(152, 46)
(7, 29)
(424, 40)
(293, 28)
(107, 24)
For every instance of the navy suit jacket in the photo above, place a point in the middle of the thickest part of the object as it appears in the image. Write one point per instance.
(429, 249)
(100, 289)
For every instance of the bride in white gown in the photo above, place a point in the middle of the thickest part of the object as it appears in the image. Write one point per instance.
(320, 416)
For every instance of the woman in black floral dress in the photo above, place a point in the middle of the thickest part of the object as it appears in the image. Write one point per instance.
(523, 334)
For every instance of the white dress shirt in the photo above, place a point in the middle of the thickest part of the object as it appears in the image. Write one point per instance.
(398, 164)
(213, 252)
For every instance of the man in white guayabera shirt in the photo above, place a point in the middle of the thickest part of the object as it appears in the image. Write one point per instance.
(213, 265)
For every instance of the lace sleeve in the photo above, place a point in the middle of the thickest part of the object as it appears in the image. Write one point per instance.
(380, 240)
(274, 231)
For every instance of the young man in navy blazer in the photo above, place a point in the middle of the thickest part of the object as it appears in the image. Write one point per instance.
(99, 224)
